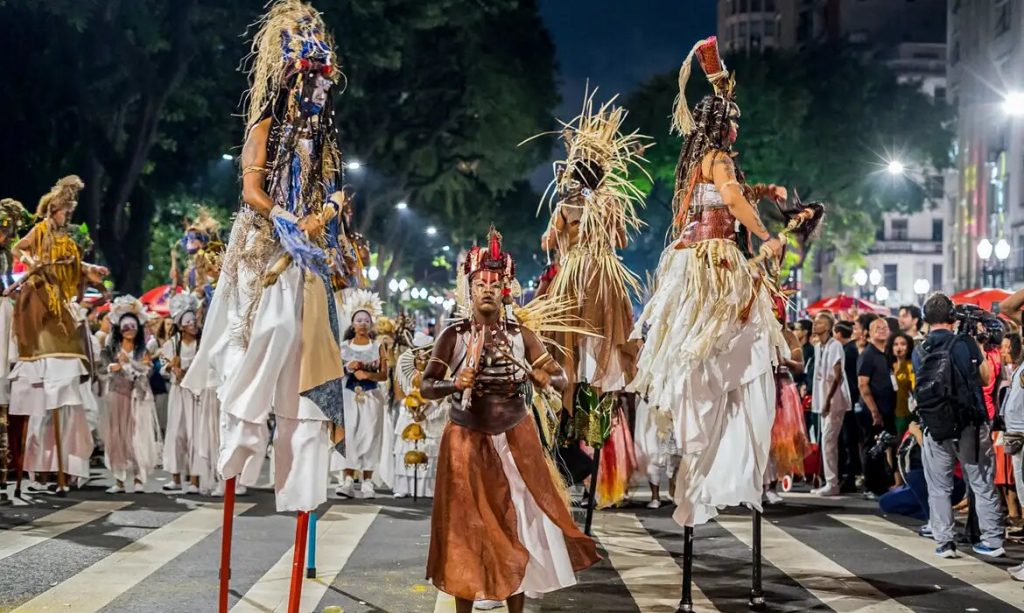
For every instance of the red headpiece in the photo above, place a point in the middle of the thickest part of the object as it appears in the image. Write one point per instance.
(491, 259)
(706, 52)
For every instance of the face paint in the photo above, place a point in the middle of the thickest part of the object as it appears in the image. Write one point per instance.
(129, 324)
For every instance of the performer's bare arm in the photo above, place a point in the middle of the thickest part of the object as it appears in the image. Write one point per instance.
(382, 373)
(24, 246)
(254, 170)
(546, 371)
(795, 363)
(435, 384)
(1010, 307)
(723, 173)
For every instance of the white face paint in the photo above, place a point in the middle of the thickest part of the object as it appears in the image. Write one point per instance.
(189, 322)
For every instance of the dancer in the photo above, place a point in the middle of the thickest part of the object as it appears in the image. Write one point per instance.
(365, 395)
(657, 453)
(182, 405)
(53, 359)
(419, 426)
(12, 427)
(713, 337)
(201, 243)
(270, 342)
(129, 426)
(789, 444)
(594, 211)
(501, 526)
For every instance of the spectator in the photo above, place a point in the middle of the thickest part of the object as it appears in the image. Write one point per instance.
(849, 437)
(830, 399)
(803, 329)
(911, 498)
(860, 329)
(874, 378)
(894, 326)
(900, 348)
(910, 322)
(952, 374)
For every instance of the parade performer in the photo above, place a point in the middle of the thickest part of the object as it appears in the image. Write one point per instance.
(53, 358)
(713, 337)
(419, 426)
(657, 454)
(270, 342)
(594, 210)
(128, 425)
(365, 395)
(500, 526)
(12, 427)
(202, 245)
(789, 444)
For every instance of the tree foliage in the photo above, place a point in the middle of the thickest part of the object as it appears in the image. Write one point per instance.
(823, 123)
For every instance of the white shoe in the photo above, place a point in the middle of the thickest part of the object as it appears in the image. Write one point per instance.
(115, 489)
(218, 490)
(138, 488)
(773, 497)
(191, 489)
(171, 487)
(487, 605)
(367, 489)
(654, 504)
(240, 490)
(347, 489)
(826, 490)
(1017, 572)
(402, 495)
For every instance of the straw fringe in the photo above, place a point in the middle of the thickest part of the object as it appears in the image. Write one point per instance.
(682, 120)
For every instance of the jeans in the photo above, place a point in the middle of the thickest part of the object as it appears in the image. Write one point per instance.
(939, 460)
(912, 499)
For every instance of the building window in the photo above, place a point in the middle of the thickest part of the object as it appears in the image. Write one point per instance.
(743, 29)
(890, 277)
(938, 226)
(880, 231)
(1002, 14)
(934, 187)
(936, 277)
(744, 6)
(899, 230)
(940, 93)
(955, 55)
(769, 5)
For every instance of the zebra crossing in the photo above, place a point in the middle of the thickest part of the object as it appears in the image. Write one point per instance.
(154, 552)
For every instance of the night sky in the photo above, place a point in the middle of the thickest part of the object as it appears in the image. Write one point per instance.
(618, 44)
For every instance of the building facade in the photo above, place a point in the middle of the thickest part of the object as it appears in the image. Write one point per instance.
(985, 85)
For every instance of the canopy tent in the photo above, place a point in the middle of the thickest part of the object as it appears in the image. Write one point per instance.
(987, 298)
(842, 302)
(157, 300)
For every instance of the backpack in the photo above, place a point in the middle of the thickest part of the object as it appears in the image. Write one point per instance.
(945, 402)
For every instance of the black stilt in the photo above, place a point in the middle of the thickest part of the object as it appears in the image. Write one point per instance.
(757, 602)
(686, 604)
(592, 501)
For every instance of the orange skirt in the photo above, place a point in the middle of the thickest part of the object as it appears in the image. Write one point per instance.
(475, 549)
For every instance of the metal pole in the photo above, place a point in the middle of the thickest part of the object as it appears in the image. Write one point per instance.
(756, 602)
(225, 544)
(592, 502)
(295, 591)
(686, 604)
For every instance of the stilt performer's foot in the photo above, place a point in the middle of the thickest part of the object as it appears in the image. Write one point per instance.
(311, 547)
(295, 592)
(225, 544)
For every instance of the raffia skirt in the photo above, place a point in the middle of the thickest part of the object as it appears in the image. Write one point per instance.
(499, 525)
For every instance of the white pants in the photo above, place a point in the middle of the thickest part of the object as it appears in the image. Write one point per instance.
(831, 425)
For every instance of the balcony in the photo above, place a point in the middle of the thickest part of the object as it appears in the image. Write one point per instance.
(920, 246)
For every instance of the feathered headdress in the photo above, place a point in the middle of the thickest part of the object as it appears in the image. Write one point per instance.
(12, 216)
(724, 83)
(62, 195)
(127, 305)
(355, 300)
(182, 303)
(490, 258)
(204, 227)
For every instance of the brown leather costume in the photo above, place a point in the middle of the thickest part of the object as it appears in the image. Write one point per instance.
(475, 550)
(708, 218)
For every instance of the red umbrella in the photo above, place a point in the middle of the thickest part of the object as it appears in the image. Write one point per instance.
(158, 299)
(987, 298)
(842, 302)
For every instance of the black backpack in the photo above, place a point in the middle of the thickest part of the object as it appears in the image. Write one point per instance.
(945, 402)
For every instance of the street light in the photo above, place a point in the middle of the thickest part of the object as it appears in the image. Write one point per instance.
(875, 277)
(431, 231)
(372, 273)
(446, 248)
(896, 167)
(401, 206)
(1013, 104)
(354, 165)
(984, 249)
(1002, 249)
(921, 287)
(227, 157)
(393, 285)
(860, 277)
(881, 294)
(403, 285)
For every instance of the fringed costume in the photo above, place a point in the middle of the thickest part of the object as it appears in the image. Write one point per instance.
(418, 428)
(712, 338)
(500, 524)
(270, 342)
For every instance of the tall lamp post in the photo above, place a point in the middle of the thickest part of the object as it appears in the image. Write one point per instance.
(993, 274)
(921, 287)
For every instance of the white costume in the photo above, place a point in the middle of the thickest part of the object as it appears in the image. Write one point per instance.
(657, 455)
(435, 418)
(182, 406)
(365, 404)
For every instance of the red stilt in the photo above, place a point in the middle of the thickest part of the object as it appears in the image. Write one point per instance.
(225, 544)
(298, 562)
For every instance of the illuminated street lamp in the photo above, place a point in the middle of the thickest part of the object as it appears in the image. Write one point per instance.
(984, 249)
(354, 165)
(875, 277)
(1013, 104)
(1002, 249)
(431, 231)
(401, 206)
(372, 273)
(860, 277)
(881, 294)
(393, 285)
(896, 168)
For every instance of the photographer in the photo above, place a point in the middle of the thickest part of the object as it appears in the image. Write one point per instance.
(949, 403)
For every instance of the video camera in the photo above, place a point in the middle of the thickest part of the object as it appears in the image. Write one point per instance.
(979, 324)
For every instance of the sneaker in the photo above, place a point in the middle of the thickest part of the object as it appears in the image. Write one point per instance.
(191, 489)
(946, 550)
(171, 487)
(347, 489)
(654, 504)
(240, 490)
(1017, 575)
(773, 497)
(925, 531)
(115, 489)
(992, 552)
(138, 488)
(826, 490)
(366, 488)
(487, 605)
(401, 495)
(1016, 569)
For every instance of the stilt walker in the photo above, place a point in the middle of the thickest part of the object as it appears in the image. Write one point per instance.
(712, 338)
(270, 342)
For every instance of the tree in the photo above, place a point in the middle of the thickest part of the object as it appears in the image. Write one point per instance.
(821, 122)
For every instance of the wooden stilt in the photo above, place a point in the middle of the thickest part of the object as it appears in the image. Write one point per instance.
(311, 547)
(686, 603)
(592, 502)
(225, 544)
(295, 591)
(757, 602)
(60, 452)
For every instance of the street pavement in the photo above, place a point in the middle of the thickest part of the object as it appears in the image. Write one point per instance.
(156, 552)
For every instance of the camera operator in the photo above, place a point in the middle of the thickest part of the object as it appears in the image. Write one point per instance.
(1013, 413)
(952, 411)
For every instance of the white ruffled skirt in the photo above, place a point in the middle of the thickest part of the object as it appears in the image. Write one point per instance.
(711, 339)
(131, 435)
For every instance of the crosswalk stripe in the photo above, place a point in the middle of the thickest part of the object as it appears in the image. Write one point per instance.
(99, 584)
(979, 575)
(338, 533)
(53, 525)
(650, 573)
(826, 580)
